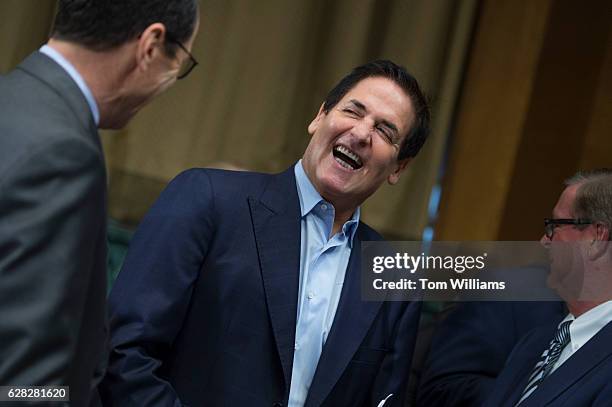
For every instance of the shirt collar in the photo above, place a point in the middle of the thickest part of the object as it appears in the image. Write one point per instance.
(588, 324)
(76, 77)
(310, 197)
(350, 227)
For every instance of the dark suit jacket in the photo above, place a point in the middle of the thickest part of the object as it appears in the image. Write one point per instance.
(204, 311)
(583, 380)
(52, 231)
(471, 345)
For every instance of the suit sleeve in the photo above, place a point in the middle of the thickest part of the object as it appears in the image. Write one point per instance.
(392, 376)
(51, 207)
(603, 397)
(151, 296)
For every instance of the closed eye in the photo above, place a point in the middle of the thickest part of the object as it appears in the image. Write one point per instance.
(385, 133)
(351, 112)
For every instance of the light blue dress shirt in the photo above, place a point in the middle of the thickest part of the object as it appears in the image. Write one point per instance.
(323, 262)
(76, 77)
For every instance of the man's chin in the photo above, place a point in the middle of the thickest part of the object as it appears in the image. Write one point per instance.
(340, 177)
(335, 184)
(114, 125)
(567, 288)
(118, 122)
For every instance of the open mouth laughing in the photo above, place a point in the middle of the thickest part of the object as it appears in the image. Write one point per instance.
(347, 158)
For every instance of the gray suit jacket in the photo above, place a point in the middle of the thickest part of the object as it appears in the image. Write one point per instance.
(52, 232)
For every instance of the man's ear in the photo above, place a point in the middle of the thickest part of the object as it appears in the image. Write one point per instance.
(601, 244)
(314, 124)
(399, 168)
(602, 232)
(150, 45)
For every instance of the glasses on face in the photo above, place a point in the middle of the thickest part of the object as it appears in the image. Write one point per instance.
(188, 63)
(551, 224)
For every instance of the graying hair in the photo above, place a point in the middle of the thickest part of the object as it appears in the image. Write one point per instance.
(593, 196)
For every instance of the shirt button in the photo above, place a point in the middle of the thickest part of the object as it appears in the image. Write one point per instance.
(310, 295)
(297, 346)
(324, 207)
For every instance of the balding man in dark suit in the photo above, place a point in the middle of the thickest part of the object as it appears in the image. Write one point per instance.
(569, 363)
(103, 62)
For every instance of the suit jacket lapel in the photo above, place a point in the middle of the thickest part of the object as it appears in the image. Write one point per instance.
(276, 225)
(351, 323)
(588, 357)
(530, 354)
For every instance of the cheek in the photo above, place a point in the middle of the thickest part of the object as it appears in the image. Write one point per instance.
(168, 79)
(161, 87)
(384, 154)
(337, 126)
(567, 234)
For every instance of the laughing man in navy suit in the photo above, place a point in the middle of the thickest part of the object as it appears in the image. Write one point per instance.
(570, 363)
(243, 289)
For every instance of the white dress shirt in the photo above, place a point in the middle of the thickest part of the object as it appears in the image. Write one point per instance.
(583, 329)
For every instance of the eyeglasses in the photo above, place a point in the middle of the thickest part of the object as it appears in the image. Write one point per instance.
(551, 224)
(188, 64)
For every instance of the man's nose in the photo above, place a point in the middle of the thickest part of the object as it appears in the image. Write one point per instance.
(363, 132)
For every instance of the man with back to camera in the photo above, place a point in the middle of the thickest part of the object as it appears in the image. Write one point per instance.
(103, 62)
(243, 289)
(570, 363)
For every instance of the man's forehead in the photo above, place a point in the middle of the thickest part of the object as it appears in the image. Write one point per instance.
(376, 85)
(565, 204)
(383, 96)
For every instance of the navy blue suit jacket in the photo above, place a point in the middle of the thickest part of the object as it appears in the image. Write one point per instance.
(471, 345)
(204, 311)
(583, 380)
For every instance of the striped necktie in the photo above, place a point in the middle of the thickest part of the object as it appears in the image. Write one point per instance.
(547, 360)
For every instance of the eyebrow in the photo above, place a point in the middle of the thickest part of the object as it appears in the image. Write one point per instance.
(361, 106)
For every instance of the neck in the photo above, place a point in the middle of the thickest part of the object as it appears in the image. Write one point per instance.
(577, 308)
(596, 287)
(103, 71)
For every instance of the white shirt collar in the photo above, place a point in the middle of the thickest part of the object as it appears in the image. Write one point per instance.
(76, 77)
(588, 324)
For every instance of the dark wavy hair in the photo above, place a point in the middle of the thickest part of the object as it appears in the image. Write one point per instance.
(419, 131)
(105, 24)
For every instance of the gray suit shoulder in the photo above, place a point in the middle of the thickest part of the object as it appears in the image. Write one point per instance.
(33, 118)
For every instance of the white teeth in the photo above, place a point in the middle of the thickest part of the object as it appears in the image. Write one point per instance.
(343, 163)
(349, 154)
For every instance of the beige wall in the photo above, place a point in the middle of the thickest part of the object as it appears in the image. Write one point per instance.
(265, 69)
(535, 108)
(532, 107)
(24, 26)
